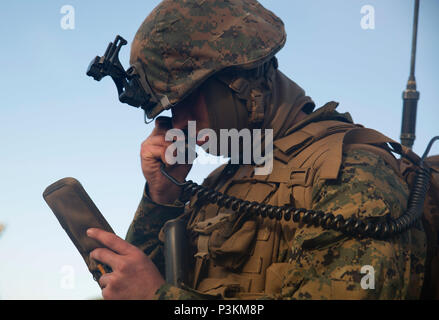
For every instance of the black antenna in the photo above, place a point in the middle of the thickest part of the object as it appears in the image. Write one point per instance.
(410, 95)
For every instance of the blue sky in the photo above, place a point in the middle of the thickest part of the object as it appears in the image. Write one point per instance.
(57, 122)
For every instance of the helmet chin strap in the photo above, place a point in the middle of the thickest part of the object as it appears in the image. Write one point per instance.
(225, 109)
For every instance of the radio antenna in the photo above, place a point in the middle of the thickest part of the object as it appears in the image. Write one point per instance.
(410, 95)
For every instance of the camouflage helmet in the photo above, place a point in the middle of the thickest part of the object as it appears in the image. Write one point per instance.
(184, 42)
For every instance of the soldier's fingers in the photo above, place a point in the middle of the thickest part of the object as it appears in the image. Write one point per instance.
(162, 124)
(104, 280)
(155, 147)
(110, 240)
(163, 141)
(156, 141)
(154, 152)
(108, 293)
(106, 256)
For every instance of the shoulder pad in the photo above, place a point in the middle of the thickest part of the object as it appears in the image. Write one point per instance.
(311, 133)
(320, 146)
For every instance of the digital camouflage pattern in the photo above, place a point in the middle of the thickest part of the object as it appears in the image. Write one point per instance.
(325, 264)
(183, 42)
(147, 223)
(314, 263)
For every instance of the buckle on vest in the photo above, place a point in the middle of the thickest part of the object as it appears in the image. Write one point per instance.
(301, 177)
(209, 225)
(203, 247)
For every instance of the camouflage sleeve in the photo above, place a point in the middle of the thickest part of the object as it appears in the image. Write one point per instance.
(325, 264)
(170, 292)
(144, 233)
(145, 227)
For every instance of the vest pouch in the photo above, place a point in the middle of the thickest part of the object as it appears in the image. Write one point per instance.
(234, 251)
(231, 244)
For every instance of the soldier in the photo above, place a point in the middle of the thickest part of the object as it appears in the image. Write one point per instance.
(215, 61)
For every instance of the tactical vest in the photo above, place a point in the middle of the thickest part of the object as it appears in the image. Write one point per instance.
(235, 256)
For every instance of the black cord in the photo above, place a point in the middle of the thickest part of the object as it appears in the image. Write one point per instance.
(352, 226)
(427, 150)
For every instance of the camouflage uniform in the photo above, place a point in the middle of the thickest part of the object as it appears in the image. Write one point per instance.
(183, 43)
(310, 262)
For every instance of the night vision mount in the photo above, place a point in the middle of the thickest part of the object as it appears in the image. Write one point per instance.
(132, 85)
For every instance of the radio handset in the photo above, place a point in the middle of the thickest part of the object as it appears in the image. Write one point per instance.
(76, 213)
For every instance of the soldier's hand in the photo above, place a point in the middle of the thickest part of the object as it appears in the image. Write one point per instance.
(134, 275)
(152, 154)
